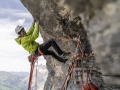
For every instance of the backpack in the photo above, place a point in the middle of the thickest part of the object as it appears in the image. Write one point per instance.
(89, 86)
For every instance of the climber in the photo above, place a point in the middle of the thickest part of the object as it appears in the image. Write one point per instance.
(27, 40)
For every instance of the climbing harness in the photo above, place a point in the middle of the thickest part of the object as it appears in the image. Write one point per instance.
(34, 56)
(39, 52)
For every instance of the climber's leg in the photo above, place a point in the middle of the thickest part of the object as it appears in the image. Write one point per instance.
(45, 46)
(52, 53)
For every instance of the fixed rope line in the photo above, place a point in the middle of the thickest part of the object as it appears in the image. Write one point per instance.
(81, 85)
(80, 48)
(67, 77)
(61, 38)
(36, 75)
(79, 42)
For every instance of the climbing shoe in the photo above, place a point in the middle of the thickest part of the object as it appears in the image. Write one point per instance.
(65, 54)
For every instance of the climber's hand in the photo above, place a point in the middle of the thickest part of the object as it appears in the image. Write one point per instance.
(37, 23)
(34, 20)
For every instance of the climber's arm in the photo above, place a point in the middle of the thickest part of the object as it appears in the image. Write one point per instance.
(31, 29)
(36, 31)
(35, 34)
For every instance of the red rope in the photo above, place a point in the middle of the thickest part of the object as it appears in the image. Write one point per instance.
(31, 73)
(69, 72)
(80, 48)
(81, 84)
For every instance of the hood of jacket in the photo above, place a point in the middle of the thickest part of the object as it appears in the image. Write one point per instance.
(18, 40)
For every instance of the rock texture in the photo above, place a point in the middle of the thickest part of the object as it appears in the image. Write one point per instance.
(99, 31)
(103, 25)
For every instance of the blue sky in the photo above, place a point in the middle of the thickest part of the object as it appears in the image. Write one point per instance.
(12, 56)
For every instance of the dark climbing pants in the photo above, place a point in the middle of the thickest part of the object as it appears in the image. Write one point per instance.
(45, 46)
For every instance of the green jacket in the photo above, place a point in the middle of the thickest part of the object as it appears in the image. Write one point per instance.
(28, 40)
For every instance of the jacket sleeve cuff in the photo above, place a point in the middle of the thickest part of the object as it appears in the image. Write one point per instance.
(37, 26)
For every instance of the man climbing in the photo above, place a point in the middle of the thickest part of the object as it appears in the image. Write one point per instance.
(27, 40)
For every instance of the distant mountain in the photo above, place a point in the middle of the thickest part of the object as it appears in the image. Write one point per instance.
(19, 80)
(21, 74)
(41, 77)
(9, 81)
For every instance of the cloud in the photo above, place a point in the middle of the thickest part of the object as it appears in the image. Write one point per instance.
(7, 26)
(8, 12)
(8, 21)
(21, 21)
(16, 63)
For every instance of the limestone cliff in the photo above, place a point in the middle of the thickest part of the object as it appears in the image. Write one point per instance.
(99, 31)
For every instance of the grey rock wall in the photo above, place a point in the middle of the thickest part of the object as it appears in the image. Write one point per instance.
(99, 30)
(103, 29)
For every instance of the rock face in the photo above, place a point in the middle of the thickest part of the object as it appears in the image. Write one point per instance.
(103, 27)
(99, 32)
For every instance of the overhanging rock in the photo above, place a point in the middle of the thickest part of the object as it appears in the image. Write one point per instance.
(100, 22)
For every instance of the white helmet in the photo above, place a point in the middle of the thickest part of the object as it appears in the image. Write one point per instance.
(18, 29)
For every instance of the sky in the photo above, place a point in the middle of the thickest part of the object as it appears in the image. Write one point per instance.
(12, 56)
